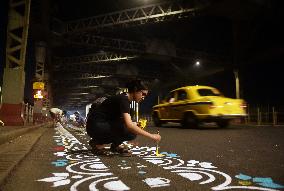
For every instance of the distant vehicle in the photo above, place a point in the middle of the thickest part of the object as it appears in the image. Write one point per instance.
(192, 105)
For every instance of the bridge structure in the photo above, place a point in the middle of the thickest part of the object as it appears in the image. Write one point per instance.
(82, 57)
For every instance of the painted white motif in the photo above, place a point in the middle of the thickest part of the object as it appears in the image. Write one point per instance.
(85, 167)
(77, 176)
(58, 179)
(192, 162)
(191, 176)
(157, 182)
(60, 154)
(193, 170)
(155, 161)
(125, 168)
(116, 185)
(98, 166)
(141, 166)
(206, 165)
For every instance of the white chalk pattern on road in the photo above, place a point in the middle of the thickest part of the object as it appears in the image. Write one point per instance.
(87, 168)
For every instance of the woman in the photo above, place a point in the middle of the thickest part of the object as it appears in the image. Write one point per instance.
(111, 121)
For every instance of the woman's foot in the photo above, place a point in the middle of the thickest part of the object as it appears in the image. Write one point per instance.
(99, 149)
(120, 149)
(103, 151)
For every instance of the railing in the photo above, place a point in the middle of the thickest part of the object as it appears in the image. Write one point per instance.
(147, 117)
(28, 113)
(265, 115)
(257, 115)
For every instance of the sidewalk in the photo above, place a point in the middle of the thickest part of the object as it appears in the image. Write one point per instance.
(15, 143)
(8, 133)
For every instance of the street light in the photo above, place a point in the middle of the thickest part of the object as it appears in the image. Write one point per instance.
(197, 63)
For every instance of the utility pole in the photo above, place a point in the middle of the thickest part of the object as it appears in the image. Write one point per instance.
(236, 73)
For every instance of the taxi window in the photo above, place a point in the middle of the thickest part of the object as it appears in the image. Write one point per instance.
(181, 95)
(208, 92)
(170, 97)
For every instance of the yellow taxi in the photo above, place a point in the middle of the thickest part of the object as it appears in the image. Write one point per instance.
(192, 105)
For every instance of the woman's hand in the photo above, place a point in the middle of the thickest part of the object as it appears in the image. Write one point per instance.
(156, 137)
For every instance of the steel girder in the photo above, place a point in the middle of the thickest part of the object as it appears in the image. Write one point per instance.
(98, 63)
(86, 76)
(93, 58)
(84, 82)
(103, 69)
(88, 79)
(138, 47)
(139, 15)
(17, 33)
(85, 39)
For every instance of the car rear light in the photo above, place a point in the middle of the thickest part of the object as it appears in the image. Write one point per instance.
(243, 105)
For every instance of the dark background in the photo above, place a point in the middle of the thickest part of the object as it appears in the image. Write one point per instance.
(260, 71)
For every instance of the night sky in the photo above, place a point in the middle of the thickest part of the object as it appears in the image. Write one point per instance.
(261, 74)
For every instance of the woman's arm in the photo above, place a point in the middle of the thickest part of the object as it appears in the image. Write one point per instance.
(137, 130)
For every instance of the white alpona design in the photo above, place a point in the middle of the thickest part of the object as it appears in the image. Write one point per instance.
(157, 182)
(86, 167)
(116, 185)
(83, 167)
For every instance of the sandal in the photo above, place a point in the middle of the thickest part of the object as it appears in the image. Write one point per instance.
(124, 152)
(103, 151)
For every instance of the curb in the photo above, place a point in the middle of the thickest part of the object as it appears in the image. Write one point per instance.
(12, 132)
(11, 154)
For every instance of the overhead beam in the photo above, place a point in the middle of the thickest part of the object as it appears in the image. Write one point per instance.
(135, 47)
(94, 58)
(140, 15)
(84, 39)
(103, 69)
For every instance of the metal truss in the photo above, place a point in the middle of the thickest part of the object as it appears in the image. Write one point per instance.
(91, 80)
(92, 76)
(138, 47)
(103, 69)
(84, 76)
(17, 33)
(106, 43)
(141, 15)
(40, 53)
(71, 82)
(93, 58)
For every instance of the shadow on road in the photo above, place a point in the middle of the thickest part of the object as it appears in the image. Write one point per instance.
(83, 151)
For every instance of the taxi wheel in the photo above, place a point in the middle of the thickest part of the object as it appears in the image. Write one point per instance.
(190, 121)
(223, 123)
(157, 120)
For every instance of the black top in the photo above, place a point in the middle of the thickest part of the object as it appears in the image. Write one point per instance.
(113, 108)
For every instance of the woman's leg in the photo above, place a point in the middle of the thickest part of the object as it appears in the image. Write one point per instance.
(117, 146)
(99, 132)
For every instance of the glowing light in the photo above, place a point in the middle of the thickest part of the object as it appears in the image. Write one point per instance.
(38, 94)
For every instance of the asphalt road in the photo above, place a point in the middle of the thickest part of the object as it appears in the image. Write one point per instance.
(236, 158)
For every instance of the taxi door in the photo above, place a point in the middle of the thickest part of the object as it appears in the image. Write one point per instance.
(166, 110)
(180, 105)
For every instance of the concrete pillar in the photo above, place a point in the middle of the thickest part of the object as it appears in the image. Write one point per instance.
(11, 112)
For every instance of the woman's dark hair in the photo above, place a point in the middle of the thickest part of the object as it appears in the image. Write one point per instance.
(136, 85)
